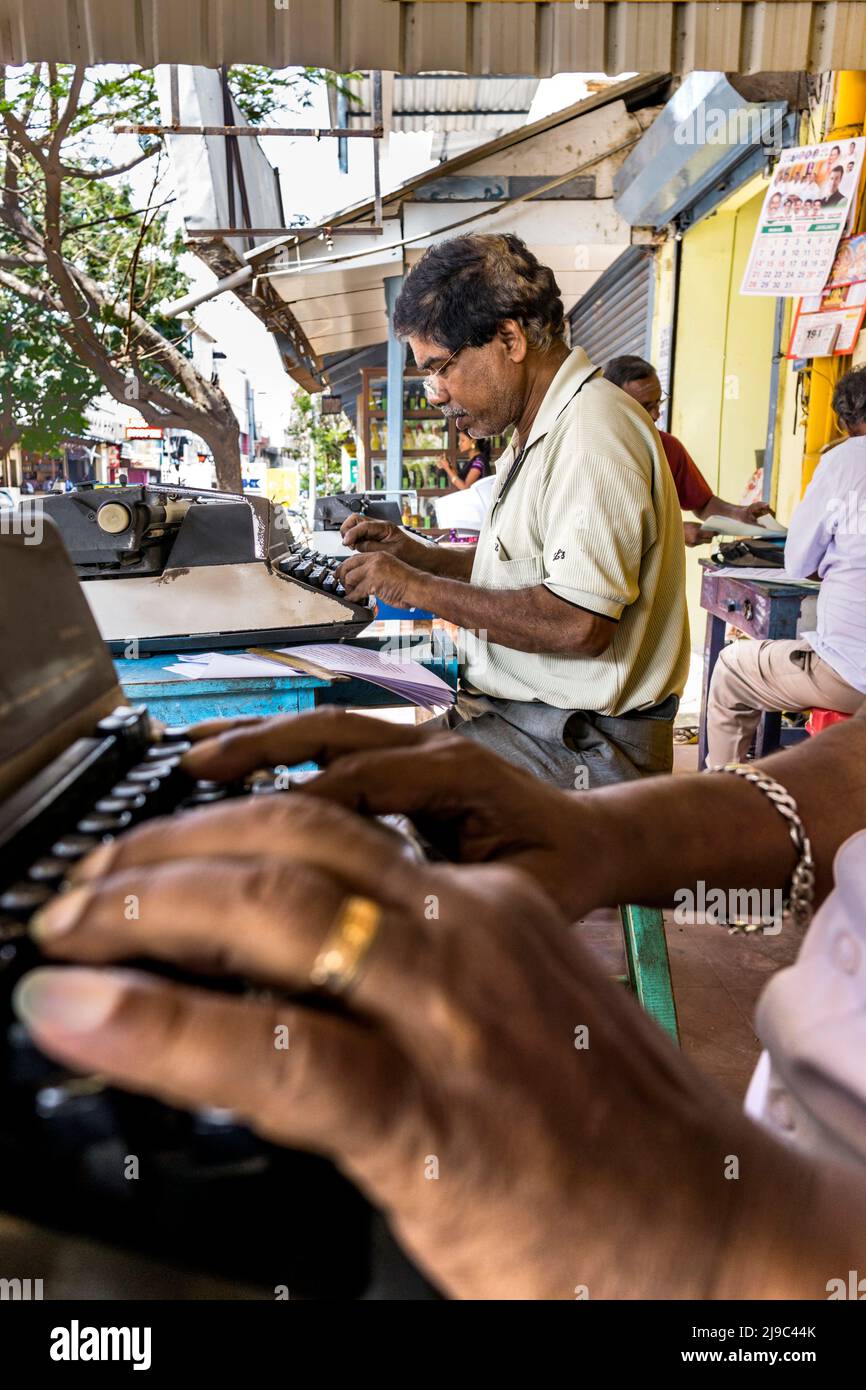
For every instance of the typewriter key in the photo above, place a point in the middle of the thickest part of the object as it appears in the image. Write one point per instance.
(72, 847)
(22, 899)
(109, 804)
(121, 718)
(101, 824)
(145, 772)
(126, 791)
(159, 754)
(47, 870)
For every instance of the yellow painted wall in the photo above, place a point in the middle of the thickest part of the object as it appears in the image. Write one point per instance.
(722, 367)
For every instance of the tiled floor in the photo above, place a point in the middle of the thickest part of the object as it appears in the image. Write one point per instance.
(717, 979)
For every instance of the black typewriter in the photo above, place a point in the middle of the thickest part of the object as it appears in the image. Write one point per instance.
(78, 766)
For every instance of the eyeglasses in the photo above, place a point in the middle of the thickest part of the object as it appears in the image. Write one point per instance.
(429, 382)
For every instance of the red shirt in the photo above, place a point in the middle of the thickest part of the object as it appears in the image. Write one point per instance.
(693, 490)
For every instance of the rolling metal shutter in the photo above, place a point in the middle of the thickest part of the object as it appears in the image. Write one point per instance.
(615, 316)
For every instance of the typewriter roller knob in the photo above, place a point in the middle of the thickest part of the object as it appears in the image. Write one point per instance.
(113, 517)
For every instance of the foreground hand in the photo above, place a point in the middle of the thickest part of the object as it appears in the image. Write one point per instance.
(379, 574)
(510, 1109)
(466, 801)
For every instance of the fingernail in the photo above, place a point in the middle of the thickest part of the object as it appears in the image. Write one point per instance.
(60, 915)
(72, 1000)
(94, 865)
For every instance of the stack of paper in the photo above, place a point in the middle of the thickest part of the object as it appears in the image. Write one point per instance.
(391, 670)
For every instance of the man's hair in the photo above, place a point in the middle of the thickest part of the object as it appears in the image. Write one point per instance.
(464, 288)
(849, 397)
(622, 370)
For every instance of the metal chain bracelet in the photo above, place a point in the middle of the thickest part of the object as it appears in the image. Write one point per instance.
(800, 899)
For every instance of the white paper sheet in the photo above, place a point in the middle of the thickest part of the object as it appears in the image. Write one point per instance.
(403, 677)
(727, 526)
(764, 575)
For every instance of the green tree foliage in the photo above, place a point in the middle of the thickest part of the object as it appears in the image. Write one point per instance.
(44, 389)
(87, 262)
(315, 440)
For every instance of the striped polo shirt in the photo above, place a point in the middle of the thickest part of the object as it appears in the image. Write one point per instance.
(592, 513)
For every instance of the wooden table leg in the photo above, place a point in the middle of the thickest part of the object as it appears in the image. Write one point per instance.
(713, 643)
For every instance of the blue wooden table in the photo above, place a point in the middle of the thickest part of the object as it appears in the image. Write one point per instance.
(175, 700)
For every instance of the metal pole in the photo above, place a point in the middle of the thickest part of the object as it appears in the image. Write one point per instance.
(377, 121)
(770, 449)
(191, 301)
(396, 360)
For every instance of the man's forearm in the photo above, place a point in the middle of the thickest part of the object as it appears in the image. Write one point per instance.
(717, 507)
(446, 562)
(527, 620)
(652, 838)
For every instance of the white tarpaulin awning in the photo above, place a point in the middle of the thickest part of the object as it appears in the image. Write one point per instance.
(337, 296)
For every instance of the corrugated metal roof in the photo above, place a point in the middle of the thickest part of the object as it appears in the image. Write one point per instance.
(453, 102)
(610, 36)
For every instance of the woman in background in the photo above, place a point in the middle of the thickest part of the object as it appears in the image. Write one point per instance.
(473, 463)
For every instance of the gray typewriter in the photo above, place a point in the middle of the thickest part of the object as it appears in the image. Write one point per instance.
(178, 569)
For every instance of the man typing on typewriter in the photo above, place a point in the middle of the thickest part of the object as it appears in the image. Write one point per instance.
(572, 604)
(560, 1171)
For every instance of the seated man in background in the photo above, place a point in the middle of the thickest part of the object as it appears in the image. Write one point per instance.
(639, 380)
(578, 1154)
(573, 601)
(825, 669)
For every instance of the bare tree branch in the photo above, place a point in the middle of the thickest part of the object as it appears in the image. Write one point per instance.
(41, 297)
(72, 173)
(21, 262)
(62, 125)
